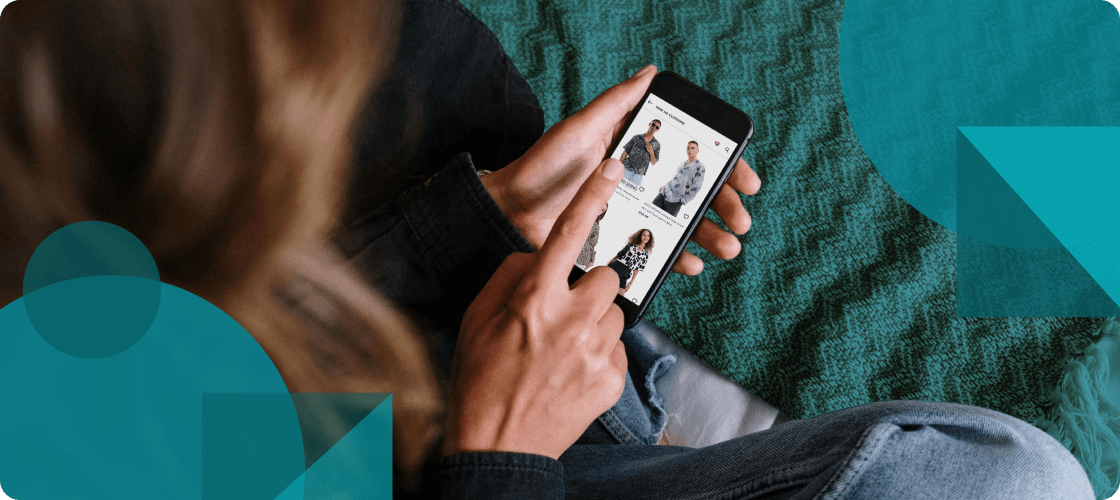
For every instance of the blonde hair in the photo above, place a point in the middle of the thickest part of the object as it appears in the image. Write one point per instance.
(218, 132)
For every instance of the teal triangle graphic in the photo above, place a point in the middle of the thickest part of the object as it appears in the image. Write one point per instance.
(1103, 259)
(1068, 176)
(324, 418)
(294, 491)
(360, 462)
(989, 210)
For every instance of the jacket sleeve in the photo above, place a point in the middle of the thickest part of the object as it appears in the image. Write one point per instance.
(433, 248)
(500, 475)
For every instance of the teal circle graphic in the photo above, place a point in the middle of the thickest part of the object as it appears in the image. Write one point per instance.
(912, 72)
(91, 289)
(196, 409)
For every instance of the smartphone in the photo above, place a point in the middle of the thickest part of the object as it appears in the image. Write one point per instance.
(678, 148)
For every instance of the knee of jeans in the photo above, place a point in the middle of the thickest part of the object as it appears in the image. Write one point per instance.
(970, 453)
(1046, 463)
(1040, 465)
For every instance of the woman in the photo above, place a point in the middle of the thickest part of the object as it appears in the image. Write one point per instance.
(587, 254)
(632, 259)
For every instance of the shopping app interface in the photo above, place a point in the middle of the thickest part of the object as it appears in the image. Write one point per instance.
(672, 161)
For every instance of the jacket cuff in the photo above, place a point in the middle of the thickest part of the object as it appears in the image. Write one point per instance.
(433, 248)
(500, 475)
(457, 223)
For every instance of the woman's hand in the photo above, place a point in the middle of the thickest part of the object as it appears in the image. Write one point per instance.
(537, 361)
(533, 190)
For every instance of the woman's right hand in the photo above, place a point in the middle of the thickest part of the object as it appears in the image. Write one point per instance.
(537, 361)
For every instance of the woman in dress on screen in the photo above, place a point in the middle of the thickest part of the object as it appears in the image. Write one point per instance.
(632, 258)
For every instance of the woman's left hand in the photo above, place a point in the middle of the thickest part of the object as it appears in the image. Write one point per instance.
(534, 189)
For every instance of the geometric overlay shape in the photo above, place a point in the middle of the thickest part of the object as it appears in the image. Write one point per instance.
(989, 210)
(1067, 175)
(1022, 189)
(360, 463)
(912, 73)
(91, 289)
(995, 281)
(248, 449)
(127, 426)
(324, 418)
(1100, 256)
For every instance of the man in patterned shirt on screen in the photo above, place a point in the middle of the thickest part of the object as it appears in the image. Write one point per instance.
(641, 152)
(684, 186)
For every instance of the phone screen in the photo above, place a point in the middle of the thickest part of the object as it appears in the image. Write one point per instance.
(672, 161)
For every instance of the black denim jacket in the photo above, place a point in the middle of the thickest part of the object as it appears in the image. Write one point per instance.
(501, 475)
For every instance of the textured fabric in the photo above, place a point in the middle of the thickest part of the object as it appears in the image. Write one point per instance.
(843, 293)
(1085, 414)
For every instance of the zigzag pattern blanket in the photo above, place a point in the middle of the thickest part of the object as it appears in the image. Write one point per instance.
(843, 293)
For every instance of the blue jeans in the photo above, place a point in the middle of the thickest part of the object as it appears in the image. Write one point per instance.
(632, 176)
(893, 449)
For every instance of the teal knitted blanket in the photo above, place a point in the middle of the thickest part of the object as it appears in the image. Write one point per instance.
(844, 294)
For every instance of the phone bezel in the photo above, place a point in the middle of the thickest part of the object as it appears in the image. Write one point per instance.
(716, 114)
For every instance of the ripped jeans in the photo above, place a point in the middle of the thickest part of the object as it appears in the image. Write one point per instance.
(894, 449)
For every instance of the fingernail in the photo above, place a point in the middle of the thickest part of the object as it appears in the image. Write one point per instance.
(643, 71)
(613, 170)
